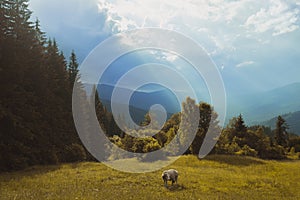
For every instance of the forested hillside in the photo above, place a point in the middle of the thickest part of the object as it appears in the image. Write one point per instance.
(36, 124)
(292, 119)
(262, 106)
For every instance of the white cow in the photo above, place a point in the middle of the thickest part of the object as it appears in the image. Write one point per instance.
(170, 175)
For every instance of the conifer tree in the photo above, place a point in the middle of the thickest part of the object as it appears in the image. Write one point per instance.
(36, 125)
(73, 68)
(281, 135)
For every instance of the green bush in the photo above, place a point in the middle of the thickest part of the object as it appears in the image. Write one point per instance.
(297, 148)
(151, 145)
(75, 152)
(232, 148)
(276, 152)
(247, 151)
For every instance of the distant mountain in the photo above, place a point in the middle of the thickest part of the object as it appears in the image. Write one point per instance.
(265, 105)
(140, 101)
(255, 107)
(292, 119)
(137, 114)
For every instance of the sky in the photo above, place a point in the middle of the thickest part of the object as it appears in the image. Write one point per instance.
(254, 44)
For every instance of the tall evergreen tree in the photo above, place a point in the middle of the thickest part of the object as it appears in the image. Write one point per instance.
(73, 68)
(239, 126)
(281, 135)
(36, 125)
(39, 34)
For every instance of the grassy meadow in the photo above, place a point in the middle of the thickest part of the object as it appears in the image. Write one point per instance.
(215, 177)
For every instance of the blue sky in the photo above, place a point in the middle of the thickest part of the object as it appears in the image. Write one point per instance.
(253, 43)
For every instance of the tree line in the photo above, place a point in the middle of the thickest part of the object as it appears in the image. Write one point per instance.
(234, 139)
(36, 123)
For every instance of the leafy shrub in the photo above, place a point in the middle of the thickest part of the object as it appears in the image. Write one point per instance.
(75, 152)
(232, 148)
(247, 151)
(276, 152)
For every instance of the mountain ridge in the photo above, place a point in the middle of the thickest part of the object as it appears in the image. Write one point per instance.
(292, 120)
(263, 106)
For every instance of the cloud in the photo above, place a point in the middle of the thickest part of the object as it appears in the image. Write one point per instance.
(114, 21)
(232, 32)
(278, 18)
(164, 56)
(246, 63)
(171, 58)
(215, 24)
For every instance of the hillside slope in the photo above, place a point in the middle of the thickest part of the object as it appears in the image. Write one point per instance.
(263, 106)
(216, 177)
(292, 119)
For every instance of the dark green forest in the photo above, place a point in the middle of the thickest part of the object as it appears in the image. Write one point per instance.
(36, 123)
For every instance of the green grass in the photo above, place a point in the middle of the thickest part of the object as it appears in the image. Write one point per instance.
(215, 177)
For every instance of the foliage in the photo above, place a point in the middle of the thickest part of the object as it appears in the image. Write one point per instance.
(247, 151)
(208, 127)
(36, 125)
(73, 68)
(281, 135)
(75, 152)
(238, 139)
(235, 139)
(171, 150)
(188, 125)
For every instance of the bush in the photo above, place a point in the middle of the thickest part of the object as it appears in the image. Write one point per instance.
(276, 152)
(14, 162)
(292, 151)
(75, 152)
(151, 145)
(232, 148)
(147, 145)
(247, 151)
(297, 148)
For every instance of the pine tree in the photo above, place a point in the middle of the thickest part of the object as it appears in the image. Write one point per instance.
(36, 125)
(18, 98)
(239, 126)
(281, 135)
(39, 34)
(73, 68)
(101, 112)
(236, 128)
